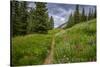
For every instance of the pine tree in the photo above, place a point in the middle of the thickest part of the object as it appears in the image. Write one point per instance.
(12, 5)
(74, 19)
(30, 21)
(95, 12)
(23, 17)
(51, 23)
(90, 14)
(76, 15)
(47, 21)
(15, 17)
(70, 22)
(83, 17)
(18, 17)
(40, 23)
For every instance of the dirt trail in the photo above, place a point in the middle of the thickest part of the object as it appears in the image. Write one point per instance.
(61, 32)
(49, 58)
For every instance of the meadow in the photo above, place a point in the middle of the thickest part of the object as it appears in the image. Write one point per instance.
(75, 44)
(30, 49)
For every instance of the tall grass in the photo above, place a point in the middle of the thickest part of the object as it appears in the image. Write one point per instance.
(30, 49)
(54, 31)
(77, 44)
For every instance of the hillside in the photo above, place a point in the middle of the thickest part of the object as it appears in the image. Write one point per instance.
(75, 44)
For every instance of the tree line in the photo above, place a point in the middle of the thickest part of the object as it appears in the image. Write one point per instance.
(78, 17)
(26, 20)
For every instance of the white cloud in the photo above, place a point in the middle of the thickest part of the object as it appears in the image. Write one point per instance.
(61, 17)
(58, 20)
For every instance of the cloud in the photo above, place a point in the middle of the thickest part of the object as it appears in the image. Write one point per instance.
(59, 13)
(58, 20)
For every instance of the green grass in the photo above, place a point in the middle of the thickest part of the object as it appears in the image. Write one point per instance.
(30, 49)
(54, 31)
(77, 44)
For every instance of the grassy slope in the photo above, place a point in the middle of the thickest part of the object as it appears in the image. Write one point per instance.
(30, 49)
(77, 44)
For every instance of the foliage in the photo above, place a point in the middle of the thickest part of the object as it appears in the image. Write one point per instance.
(51, 23)
(18, 17)
(30, 49)
(78, 17)
(25, 20)
(77, 44)
(83, 16)
(40, 23)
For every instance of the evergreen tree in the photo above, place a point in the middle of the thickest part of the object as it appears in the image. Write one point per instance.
(18, 17)
(12, 5)
(90, 14)
(83, 16)
(30, 20)
(76, 15)
(70, 22)
(15, 17)
(23, 17)
(95, 12)
(40, 24)
(51, 23)
(47, 21)
(74, 19)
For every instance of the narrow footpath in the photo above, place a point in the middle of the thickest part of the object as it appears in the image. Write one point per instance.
(49, 58)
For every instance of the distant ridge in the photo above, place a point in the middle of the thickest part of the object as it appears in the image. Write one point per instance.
(62, 25)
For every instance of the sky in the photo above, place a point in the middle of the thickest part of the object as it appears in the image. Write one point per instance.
(61, 12)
